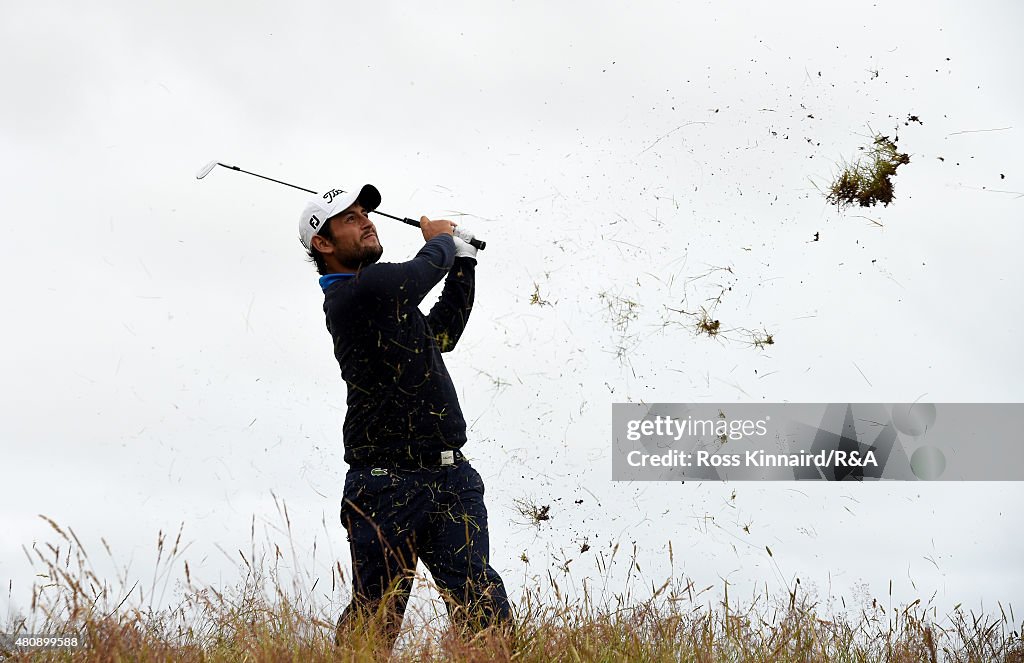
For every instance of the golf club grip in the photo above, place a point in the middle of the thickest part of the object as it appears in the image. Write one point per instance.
(478, 244)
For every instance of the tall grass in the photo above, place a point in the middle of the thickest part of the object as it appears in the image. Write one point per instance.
(262, 619)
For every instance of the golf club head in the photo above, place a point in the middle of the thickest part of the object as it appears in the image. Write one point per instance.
(205, 170)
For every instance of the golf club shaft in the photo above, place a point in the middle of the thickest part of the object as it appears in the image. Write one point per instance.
(478, 243)
(267, 178)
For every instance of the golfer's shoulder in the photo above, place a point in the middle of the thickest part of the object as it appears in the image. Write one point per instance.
(346, 307)
(380, 277)
(368, 283)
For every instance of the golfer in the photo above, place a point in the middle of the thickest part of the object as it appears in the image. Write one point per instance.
(409, 493)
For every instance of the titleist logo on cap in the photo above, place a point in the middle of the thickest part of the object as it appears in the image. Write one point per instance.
(329, 196)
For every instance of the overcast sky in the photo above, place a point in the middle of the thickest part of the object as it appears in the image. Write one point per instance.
(165, 355)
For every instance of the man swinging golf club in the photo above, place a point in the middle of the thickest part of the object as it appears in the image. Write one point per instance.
(409, 493)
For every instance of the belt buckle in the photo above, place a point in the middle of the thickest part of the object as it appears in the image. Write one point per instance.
(447, 458)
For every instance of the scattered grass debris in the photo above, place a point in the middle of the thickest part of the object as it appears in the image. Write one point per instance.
(536, 299)
(761, 339)
(534, 513)
(621, 310)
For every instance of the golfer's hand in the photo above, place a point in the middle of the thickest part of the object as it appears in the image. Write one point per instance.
(463, 248)
(432, 229)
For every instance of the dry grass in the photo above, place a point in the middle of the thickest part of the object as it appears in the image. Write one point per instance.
(262, 621)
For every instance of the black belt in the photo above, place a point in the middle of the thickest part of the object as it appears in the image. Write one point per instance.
(435, 459)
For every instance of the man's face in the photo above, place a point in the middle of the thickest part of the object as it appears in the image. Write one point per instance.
(355, 238)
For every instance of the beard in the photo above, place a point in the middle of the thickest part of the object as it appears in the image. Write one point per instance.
(364, 257)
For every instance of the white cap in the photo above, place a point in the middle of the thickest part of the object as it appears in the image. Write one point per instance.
(331, 203)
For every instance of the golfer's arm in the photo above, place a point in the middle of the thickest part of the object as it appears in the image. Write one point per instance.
(411, 281)
(448, 317)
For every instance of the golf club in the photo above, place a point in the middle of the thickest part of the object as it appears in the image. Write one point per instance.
(205, 170)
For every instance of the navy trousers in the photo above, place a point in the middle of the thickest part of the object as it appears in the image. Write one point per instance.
(395, 517)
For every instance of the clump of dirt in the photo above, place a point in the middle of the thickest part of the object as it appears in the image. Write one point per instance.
(868, 181)
(705, 325)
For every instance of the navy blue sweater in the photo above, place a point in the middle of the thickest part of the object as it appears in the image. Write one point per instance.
(401, 400)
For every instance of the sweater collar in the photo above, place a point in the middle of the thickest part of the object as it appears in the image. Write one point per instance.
(327, 280)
